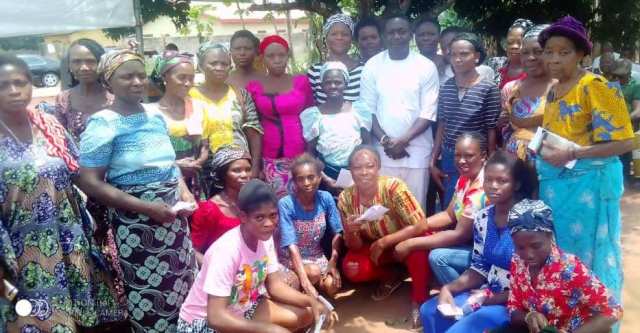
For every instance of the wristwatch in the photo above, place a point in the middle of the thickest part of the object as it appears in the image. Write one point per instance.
(384, 140)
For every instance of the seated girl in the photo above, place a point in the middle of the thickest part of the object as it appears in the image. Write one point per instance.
(304, 217)
(506, 181)
(230, 291)
(450, 253)
(335, 127)
(231, 167)
(552, 291)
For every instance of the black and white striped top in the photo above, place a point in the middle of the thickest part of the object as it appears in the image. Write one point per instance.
(350, 94)
(478, 110)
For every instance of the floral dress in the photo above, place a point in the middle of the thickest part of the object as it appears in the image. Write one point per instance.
(46, 243)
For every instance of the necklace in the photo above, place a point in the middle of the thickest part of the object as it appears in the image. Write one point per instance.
(229, 202)
(13, 135)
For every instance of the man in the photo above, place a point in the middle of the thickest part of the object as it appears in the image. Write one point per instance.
(367, 37)
(400, 88)
(607, 47)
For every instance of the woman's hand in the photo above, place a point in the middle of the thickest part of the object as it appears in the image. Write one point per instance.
(402, 250)
(189, 166)
(445, 296)
(377, 248)
(308, 287)
(438, 176)
(335, 274)
(161, 213)
(535, 321)
(555, 155)
(350, 226)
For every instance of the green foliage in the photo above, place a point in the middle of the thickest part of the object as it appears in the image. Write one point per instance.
(178, 11)
(449, 18)
(200, 21)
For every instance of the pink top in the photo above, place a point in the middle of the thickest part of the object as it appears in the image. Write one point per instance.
(285, 119)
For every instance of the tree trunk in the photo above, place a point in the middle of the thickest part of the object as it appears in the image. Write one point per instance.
(289, 34)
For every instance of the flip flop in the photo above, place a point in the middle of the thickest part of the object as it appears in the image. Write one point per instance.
(389, 288)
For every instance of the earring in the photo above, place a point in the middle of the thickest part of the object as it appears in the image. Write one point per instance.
(477, 61)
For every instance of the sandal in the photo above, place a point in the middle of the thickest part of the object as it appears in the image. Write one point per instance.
(385, 290)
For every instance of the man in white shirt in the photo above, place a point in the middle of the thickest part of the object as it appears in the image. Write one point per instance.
(400, 88)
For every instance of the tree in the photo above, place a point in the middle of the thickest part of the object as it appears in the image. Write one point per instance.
(199, 20)
(177, 10)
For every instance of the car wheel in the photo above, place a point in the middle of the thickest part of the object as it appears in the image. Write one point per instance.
(50, 79)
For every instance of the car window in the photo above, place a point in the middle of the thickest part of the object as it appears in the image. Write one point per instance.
(31, 60)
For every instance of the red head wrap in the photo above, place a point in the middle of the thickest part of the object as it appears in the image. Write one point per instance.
(270, 40)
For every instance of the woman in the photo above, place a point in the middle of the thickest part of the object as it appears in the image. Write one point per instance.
(333, 129)
(280, 98)
(566, 296)
(304, 217)
(466, 103)
(337, 32)
(510, 68)
(368, 38)
(86, 96)
(586, 109)
(46, 235)
(370, 244)
(231, 170)
(174, 74)
(127, 163)
(427, 36)
(450, 249)
(524, 100)
(230, 116)
(244, 51)
(506, 181)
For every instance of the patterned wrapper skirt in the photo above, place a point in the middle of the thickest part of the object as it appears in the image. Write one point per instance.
(277, 173)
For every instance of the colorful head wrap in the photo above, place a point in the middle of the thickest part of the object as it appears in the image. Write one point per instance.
(525, 24)
(570, 28)
(208, 46)
(337, 18)
(169, 60)
(335, 65)
(270, 40)
(223, 156)
(535, 31)
(109, 62)
(530, 215)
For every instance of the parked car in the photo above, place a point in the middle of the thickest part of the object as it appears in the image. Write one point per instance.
(45, 71)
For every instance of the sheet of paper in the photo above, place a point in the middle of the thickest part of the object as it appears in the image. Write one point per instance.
(344, 179)
(449, 310)
(326, 303)
(374, 213)
(184, 206)
(537, 147)
(318, 326)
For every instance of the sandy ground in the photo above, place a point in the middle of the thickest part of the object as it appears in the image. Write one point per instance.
(359, 314)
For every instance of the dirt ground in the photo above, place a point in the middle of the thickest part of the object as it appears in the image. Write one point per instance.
(359, 314)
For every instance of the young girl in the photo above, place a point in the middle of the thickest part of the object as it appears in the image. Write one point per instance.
(506, 181)
(230, 292)
(304, 217)
(334, 128)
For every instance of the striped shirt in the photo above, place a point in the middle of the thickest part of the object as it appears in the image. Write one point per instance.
(350, 94)
(477, 112)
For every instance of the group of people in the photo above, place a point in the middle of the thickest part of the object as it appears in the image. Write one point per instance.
(517, 240)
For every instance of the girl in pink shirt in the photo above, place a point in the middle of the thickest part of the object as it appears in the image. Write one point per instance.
(280, 98)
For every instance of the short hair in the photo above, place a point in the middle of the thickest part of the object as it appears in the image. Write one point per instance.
(364, 147)
(245, 34)
(367, 21)
(520, 171)
(305, 159)
(452, 30)
(426, 19)
(171, 47)
(478, 137)
(94, 47)
(396, 15)
(475, 41)
(254, 194)
(10, 59)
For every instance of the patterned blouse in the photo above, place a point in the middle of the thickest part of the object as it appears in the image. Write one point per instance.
(70, 117)
(393, 193)
(469, 196)
(566, 292)
(593, 111)
(492, 250)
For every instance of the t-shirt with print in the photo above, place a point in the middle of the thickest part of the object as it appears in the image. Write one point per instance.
(469, 196)
(231, 269)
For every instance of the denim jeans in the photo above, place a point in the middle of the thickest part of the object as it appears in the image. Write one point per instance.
(448, 263)
(448, 166)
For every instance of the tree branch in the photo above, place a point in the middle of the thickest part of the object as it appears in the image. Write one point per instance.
(319, 7)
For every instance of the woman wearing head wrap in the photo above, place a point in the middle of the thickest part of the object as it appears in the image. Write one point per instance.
(552, 291)
(174, 74)
(337, 32)
(466, 103)
(128, 164)
(280, 98)
(586, 109)
(229, 113)
(334, 128)
(231, 168)
(523, 100)
(47, 245)
(244, 52)
(509, 68)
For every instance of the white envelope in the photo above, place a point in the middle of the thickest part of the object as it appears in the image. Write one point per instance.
(374, 213)
(184, 206)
